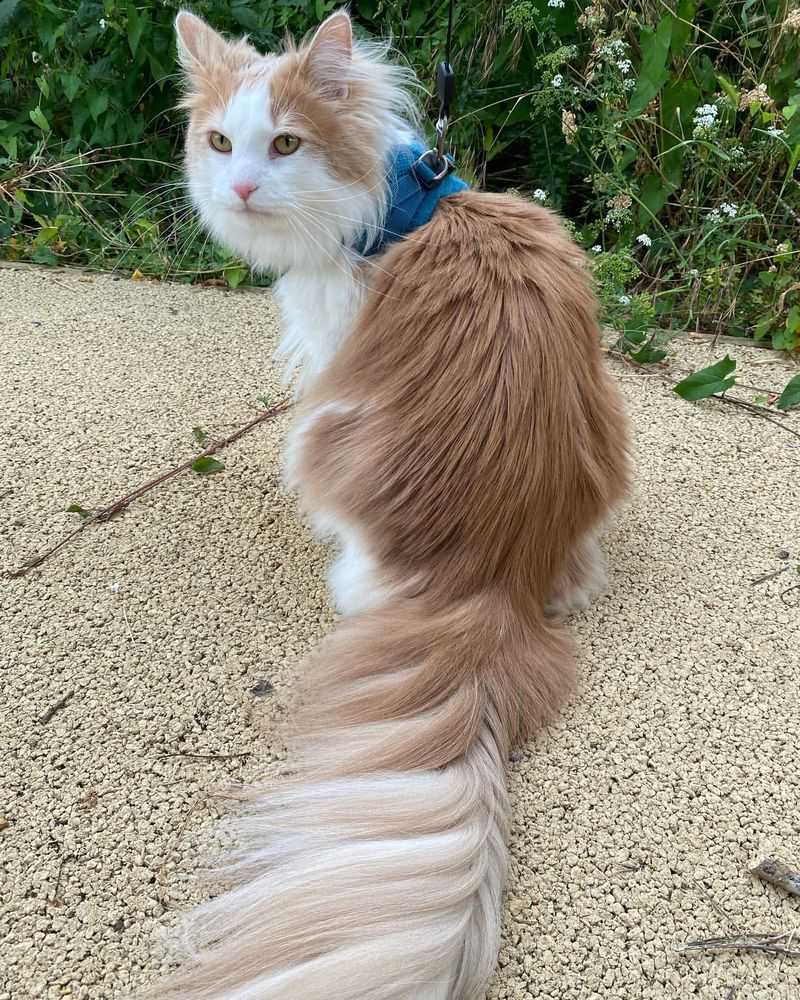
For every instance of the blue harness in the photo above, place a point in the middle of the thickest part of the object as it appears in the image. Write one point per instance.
(414, 193)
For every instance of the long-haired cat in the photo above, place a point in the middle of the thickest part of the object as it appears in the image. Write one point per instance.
(459, 435)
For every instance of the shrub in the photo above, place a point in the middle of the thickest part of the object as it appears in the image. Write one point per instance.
(670, 136)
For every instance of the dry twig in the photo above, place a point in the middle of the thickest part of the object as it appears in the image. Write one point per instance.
(207, 756)
(106, 513)
(768, 576)
(770, 942)
(45, 717)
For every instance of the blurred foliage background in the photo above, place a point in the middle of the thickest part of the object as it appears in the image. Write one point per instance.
(666, 131)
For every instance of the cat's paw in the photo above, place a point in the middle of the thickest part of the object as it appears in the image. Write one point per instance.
(585, 581)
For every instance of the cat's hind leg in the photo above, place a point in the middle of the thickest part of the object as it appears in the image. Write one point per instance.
(583, 578)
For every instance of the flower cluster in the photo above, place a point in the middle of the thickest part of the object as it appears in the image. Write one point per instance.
(725, 209)
(619, 210)
(539, 195)
(757, 97)
(555, 3)
(593, 16)
(706, 120)
(614, 50)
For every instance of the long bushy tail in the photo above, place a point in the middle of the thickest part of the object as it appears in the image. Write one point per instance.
(376, 872)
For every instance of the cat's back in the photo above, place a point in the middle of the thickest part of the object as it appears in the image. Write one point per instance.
(472, 390)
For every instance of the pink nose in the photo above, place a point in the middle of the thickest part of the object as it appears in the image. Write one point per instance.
(244, 189)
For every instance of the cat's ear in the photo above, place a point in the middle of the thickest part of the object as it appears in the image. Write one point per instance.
(199, 46)
(330, 52)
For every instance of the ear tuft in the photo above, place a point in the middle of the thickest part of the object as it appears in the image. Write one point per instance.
(330, 52)
(199, 46)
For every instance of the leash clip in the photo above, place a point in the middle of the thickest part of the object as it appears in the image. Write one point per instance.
(434, 164)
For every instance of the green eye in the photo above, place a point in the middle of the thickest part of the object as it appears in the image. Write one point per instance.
(285, 145)
(220, 142)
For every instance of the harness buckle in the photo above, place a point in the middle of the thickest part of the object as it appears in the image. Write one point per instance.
(434, 164)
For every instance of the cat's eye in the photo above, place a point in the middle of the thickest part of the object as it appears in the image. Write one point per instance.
(220, 142)
(285, 145)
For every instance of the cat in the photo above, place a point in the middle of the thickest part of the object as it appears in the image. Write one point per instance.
(458, 433)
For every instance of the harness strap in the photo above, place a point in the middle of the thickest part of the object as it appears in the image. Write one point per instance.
(415, 189)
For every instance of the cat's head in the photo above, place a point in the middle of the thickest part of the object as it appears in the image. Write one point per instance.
(285, 153)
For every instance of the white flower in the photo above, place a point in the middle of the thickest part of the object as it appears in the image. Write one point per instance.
(35, 57)
(629, 84)
(597, 248)
(694, 273)
(540, 195)
(557, 80)
(705, 119)
(728, 209)
(624, 300)
(614, 50)
(783, 247)
(555, 3)
(103, 24)
(776, 133)
(625, 66)
(644, 239)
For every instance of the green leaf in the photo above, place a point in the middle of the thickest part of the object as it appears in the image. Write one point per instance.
(247, 17)
(38, 118)
(75, 508)
(9, 144)
(207, 465)
(44, 255)
(97, 102)
(46, 235)
(730, 91)
(136, 25)
(265, 400)
(234, 276)
(71, 85)
(707, 381)
(649, 355)
(683, 27)
(199, 435)
(653, 70)
(653, 196)
(43, 86)
(7, 8)
(790, 395)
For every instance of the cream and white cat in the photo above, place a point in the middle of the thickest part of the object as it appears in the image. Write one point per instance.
(457, 430)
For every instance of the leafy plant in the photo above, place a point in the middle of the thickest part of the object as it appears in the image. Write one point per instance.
(708, 381)
(790, 395)
(207, 465)
(668, 134)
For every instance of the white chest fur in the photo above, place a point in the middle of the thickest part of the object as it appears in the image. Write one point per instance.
(318, 308)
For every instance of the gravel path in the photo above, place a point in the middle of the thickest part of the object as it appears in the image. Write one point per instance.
(175, 628)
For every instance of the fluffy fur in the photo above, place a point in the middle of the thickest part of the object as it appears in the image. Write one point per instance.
(459, 434)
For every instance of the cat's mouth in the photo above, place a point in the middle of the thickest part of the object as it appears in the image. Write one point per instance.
(254, 210)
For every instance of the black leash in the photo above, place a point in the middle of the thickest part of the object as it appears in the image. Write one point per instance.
(445, 89)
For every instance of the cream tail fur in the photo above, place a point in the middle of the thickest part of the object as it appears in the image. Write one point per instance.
(459, 434)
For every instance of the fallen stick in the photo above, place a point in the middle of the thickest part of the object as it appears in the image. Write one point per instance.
(777, 943)
(778, 873)
(45, 717)
(124, 502)
(769, 576)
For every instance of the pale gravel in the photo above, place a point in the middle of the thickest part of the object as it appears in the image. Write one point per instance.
(636, 817)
